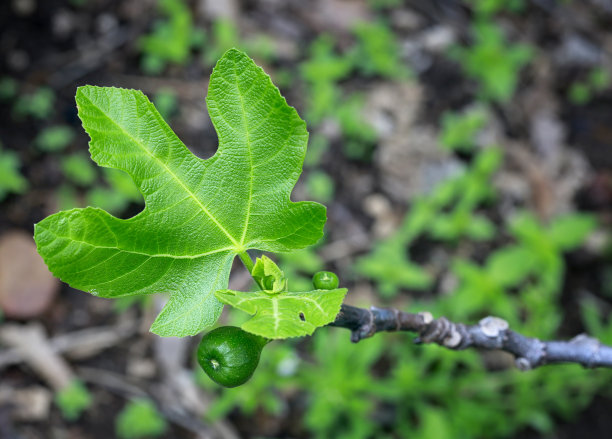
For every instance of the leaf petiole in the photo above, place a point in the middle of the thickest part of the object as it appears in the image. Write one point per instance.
(248, 263)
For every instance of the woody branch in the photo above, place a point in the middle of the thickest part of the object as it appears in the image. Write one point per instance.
(490, 333)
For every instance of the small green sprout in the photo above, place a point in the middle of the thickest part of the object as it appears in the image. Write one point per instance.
(73, 400)
(138, 419)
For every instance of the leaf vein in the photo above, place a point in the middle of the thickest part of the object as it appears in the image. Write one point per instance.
(170, 172)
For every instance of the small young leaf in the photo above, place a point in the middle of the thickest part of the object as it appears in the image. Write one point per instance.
(39, 104)
(79, 169)
(320, 186)
(569, 231)
(170, 39)
(378, 52)
(510, 265)
(392, 270)
(10, 178)
(140, 418)
(73, 400)
(54, 138)
(459, 130)
(199, 213)
(480, 228)
(267, 273)
(288, 314)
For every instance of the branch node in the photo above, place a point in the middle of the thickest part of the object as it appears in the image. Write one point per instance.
(427, 317)
(492, 326)
(453, 339)
(592, 345)
(396, 315)
(436, 331)
(523, 364)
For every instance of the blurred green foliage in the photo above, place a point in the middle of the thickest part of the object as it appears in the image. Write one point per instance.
(166, 102)
(119, 192)
(340, 400)
(460, 197)
(79, 169)
(389, 265)
(321, 72)
(377, 51)
(459, 130)
(447, 214)
(318, 144)
(124, 303)
(11, 180)
(521, 282)
(67, 197)
(359, 137)
(225, 35)
(54, 138)
(73, 400)
(38, 104)
(491, 7)
(139, 419)
(597, 80)
(175, 39)
(492, 61)
(84, 187)
(596, 320)
(381, 4)
(320, 186)
(171, 38)
(8, 88)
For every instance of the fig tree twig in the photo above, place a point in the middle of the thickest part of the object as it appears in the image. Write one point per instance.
(490, 333)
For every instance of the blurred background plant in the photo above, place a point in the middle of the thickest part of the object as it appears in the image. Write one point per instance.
(462, 149)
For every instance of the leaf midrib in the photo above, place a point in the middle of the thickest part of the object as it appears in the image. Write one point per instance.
(152, 255)
(276, 316)
(238, 247)
(249, 148)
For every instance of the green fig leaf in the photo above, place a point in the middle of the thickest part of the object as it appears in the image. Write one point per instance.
(199, 214)
(285, 314)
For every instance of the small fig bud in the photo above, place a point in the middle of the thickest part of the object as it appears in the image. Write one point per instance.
(325, 280)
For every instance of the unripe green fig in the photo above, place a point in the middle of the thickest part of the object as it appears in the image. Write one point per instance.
(229, 355)
(325, 280)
